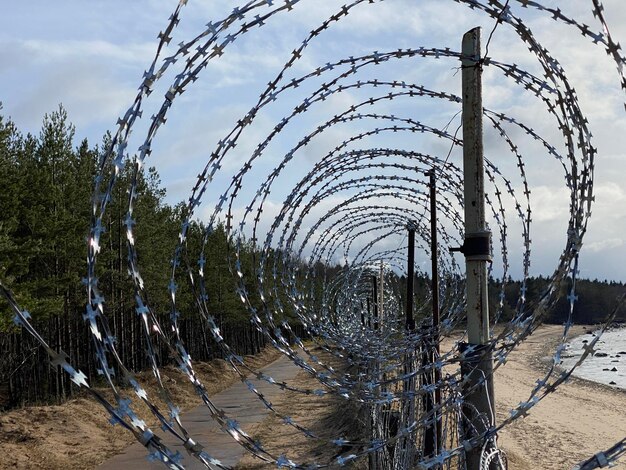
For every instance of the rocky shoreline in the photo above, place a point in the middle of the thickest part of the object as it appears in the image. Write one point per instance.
(608, 364)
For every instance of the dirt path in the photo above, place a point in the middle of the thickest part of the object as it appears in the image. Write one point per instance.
(238, 403)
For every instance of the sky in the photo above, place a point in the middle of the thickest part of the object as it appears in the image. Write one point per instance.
(91, 56)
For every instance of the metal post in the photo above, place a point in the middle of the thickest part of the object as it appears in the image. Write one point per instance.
(409, 384)
(369, 313)
(430, 441)
(477, 366)
(381, 291)
(433, 255)
(375, 298)
(410, 280)
(434, 272)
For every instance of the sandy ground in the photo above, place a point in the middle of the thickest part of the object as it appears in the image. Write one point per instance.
(568, 426)
(580, 419)
(77, 434)
(326, 416)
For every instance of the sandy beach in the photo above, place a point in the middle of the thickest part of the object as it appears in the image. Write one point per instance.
(580, 419)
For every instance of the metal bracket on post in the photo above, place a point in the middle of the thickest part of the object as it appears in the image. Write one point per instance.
(476, 247)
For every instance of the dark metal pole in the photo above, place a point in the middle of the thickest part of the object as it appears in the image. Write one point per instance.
(409, 358)
(430, 441)
(433, 257)
(410, 279)
(430, 353)
(369, 313)
(435, 294)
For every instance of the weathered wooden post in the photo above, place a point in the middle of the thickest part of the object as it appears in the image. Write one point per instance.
(477, 366)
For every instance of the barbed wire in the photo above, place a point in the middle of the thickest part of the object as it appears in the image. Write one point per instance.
(373, 193)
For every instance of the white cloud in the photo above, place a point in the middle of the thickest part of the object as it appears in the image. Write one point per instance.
(74, 88)
(607, 244)
(550, 204)
(77, 74)
(42, 52)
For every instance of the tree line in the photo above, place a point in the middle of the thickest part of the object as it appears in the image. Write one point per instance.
(595, 299)
(45, 207)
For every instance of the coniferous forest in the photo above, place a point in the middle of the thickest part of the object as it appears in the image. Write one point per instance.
(45, 207)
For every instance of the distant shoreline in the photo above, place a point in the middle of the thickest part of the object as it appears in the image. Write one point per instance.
(608, 364)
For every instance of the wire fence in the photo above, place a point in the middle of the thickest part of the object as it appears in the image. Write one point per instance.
(368, 194)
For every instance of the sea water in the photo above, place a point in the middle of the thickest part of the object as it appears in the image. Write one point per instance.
(607, 365)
